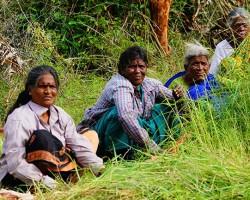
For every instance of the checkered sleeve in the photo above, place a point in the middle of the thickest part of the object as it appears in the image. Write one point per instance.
(123, 98)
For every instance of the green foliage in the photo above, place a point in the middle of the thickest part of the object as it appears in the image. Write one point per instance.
(89, 86)
(204, 20)
(9, 88)
(3, 96)
(81, 27)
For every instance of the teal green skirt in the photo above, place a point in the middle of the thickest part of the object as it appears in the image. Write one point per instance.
(112, 135)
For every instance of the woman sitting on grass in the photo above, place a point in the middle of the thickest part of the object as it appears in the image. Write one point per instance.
(196, 79)
(39, 136)
(235, 69)
(128, 112)
(238, 20)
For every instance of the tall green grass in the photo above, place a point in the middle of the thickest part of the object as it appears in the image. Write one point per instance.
(212, 164)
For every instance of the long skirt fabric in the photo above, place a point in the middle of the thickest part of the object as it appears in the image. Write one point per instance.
(113, 137)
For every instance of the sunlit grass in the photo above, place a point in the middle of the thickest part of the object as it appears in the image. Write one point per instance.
(211, 164)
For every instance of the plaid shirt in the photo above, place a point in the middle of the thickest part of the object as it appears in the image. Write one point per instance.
(120, 92)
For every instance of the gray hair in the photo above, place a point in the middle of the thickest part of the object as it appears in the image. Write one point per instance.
(195, 49)
(237, 12)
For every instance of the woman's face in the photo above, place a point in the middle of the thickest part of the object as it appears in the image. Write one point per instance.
(45, 91)
(135, 72)
(197, 69)
(240, 28)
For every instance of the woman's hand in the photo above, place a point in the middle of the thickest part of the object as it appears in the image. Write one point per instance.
(181, 97)
(49, 182)
(154, 148)
(178, 92)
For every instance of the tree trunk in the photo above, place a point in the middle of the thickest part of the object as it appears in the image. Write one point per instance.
(159, 10)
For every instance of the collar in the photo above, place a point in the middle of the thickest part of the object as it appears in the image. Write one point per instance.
(138, 88)
(37, 109)
(146, 85)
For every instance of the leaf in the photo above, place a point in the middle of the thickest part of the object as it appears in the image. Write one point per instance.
(72, 22)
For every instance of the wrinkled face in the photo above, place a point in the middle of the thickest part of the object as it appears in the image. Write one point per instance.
(240, 28)
(135, 72)
(45, 91)
(197, 69)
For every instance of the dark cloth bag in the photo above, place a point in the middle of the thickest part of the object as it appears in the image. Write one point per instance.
(50, 156)
(48, 153)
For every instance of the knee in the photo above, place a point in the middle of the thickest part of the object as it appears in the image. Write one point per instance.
(93, 138)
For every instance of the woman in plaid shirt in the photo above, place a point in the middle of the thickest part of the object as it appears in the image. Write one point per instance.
(129, 112)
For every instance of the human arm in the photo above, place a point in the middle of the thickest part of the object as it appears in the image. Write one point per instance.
(82, 148)
(177, 97)
(222, 50)
(216, 59)
(128, 113)
(179, 92)
(17, 134)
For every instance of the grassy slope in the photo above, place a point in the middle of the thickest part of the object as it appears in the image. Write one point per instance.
(212, 164)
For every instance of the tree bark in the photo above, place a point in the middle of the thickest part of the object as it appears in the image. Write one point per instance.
(159, 10)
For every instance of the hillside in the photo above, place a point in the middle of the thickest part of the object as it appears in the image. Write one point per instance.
(83, 41)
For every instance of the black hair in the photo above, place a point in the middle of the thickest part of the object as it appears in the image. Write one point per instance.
(130, 54)
(32, 79)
